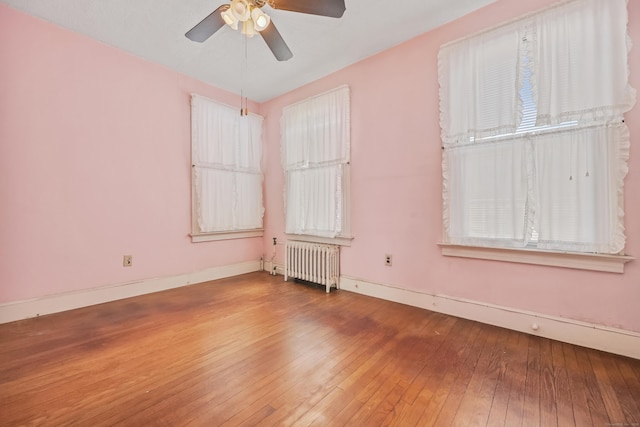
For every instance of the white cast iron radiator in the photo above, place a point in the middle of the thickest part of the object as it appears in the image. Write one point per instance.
(313, 262)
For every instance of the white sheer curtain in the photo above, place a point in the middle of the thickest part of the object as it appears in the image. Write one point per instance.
(578, 184)
(315, 157)
(492, 177)
(580, 62)
(226, 156)
(562, 178)
(479, 82)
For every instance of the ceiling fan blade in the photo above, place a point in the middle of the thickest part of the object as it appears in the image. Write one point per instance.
(276, 43)
(208, 26)
(330, 8)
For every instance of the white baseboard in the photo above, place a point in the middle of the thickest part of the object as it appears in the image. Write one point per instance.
(70, 300)
(612, 340)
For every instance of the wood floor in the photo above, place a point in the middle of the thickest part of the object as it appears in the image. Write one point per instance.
(254, 350)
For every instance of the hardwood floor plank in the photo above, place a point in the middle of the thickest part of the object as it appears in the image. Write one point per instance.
(255, 419)
(253, 350)
(475, 395)
(632, 379)
(330, 364)
(324, 412)
(442, 411)
(497, 411)
(407, 363)
(577, 388)
(291, 410)
(548, 392)
(516, 374)
(592, 392)
(261, 392)
(252, 374)
(531, 407)
(630, 406)
(310, 387)
(435, 395)
(438, 359)
(371, 408)
(564, 403)
(607, 389)
(411, 355)
(634, 367)
(436, 355)
(309, 392)
(494, 379)
(234, 368)
(343, 417)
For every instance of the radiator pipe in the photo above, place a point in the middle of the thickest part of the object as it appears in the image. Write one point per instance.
(273, 268)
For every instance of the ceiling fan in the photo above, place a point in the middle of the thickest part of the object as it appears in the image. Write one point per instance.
(254, 21)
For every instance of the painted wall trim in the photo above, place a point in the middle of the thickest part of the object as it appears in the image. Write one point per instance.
(582, 261)
(339, 240)
(227, 235)
(19, 310)
(618, 341)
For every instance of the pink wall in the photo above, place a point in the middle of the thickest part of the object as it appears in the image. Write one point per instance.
(396, 187)
(94, 164)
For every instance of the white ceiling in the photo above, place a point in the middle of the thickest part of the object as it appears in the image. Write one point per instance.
(154, 30)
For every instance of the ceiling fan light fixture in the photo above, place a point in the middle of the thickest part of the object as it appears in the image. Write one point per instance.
(241, 10)
(248, 29)
(260, 19)
(230, 19)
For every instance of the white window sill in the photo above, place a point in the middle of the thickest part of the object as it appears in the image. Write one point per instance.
(582, 261)
(225, 235)
(340, 240)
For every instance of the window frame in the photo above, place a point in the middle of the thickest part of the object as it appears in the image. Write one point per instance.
(530, 253)
(345, 237)
(196, 235)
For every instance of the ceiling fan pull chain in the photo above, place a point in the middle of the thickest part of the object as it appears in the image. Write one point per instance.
(241, 109)
(243, 73)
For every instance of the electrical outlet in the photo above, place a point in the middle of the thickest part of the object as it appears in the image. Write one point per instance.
(127, 260)
(387, 259)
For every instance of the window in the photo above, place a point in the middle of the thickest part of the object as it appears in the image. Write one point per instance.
(535, 147)
(226, 154)
(315, 158)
